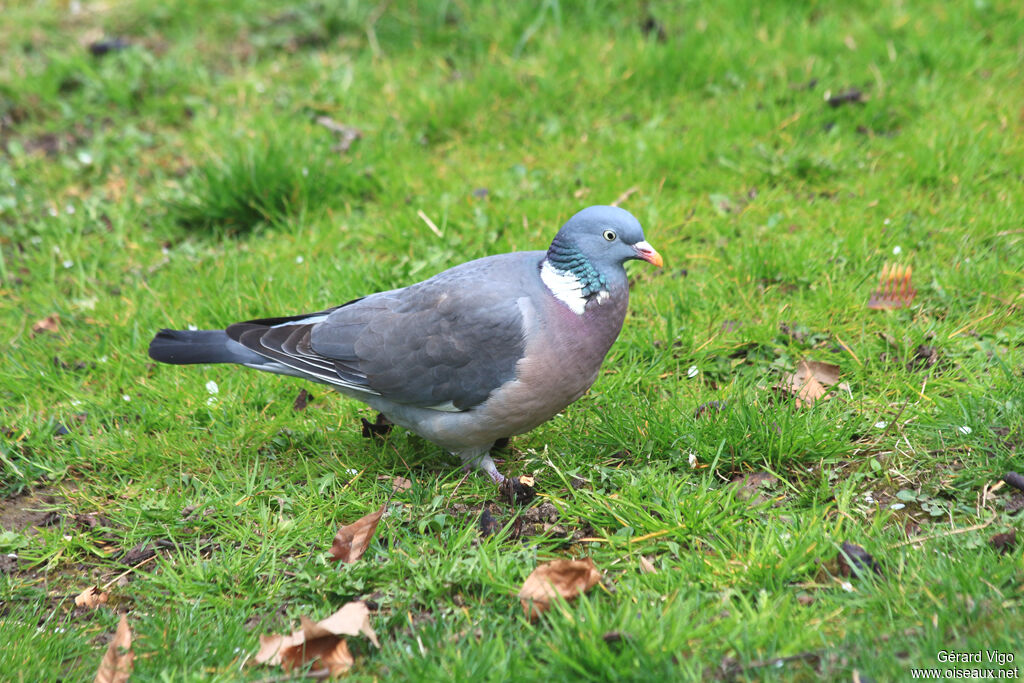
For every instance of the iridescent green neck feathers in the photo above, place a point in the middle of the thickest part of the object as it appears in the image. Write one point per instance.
(568, 259)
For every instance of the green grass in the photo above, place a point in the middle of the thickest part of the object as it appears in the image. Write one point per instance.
(185, 181)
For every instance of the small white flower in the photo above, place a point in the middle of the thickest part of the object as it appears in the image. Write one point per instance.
(69, 209)
(299, 259)
(165, 251)
(53, 211)
(897, 506)
(692, 459)
(305, 172)
(847, 586)
(965, 430)
(692, 372)
(212, 387)
(192, 328)
(84, 158)
(12, 556)
(67, 263)
(102, 359)
(897, 250)
(126, 398)
(885, 222)
(881, 425)
(352, 472)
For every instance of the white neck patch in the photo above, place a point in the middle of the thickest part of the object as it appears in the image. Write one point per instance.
(566, 287)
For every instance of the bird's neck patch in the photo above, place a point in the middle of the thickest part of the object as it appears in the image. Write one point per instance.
(571, 278)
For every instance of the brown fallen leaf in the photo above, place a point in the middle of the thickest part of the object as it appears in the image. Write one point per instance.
(353, 539)
(319, 643)
(567, 578)
(301, 401)
(117, 663)
(397, 483)
(50, 323)
(894, 288)
(92, 597)
(1004, 543)
(646, 566)
(809, 381)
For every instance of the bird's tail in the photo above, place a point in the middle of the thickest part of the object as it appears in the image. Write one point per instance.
(187, 347)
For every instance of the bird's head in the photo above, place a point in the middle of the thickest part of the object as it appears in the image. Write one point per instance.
(604, 236)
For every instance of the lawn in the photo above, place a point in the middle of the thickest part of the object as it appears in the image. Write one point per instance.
(166, 164)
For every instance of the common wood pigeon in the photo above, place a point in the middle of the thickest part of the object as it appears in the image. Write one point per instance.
(484, 350)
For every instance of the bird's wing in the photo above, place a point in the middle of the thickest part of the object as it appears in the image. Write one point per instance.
(445, 343)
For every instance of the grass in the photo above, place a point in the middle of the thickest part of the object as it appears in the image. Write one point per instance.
(184, 180)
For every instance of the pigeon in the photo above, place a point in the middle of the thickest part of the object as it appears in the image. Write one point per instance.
(480, 352)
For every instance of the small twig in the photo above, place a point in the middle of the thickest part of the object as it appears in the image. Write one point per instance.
(430, 223)
(128, 571)
(951, 532)
(625, 195)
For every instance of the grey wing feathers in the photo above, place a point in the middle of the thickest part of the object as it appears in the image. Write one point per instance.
(448, 341)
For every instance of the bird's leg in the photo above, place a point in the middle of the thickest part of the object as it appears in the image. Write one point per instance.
(481, 459)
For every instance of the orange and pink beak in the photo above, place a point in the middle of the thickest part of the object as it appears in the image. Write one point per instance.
(646, 252)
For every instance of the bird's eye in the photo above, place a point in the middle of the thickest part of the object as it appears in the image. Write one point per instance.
(609, 235)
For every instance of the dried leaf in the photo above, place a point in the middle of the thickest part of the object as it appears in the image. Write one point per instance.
(567, 578)
(329, 654)
(400, 484)
(319, 643)
(809, 381)
(380, 427)
(894, 288)
(92, 597)
(352, 540)
(646, 566)
(352, 619)
(488, 524)
(1004, 543)
(517, 491)
(301, 400)
(854, 561)
(117, 663)
(50, 323)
